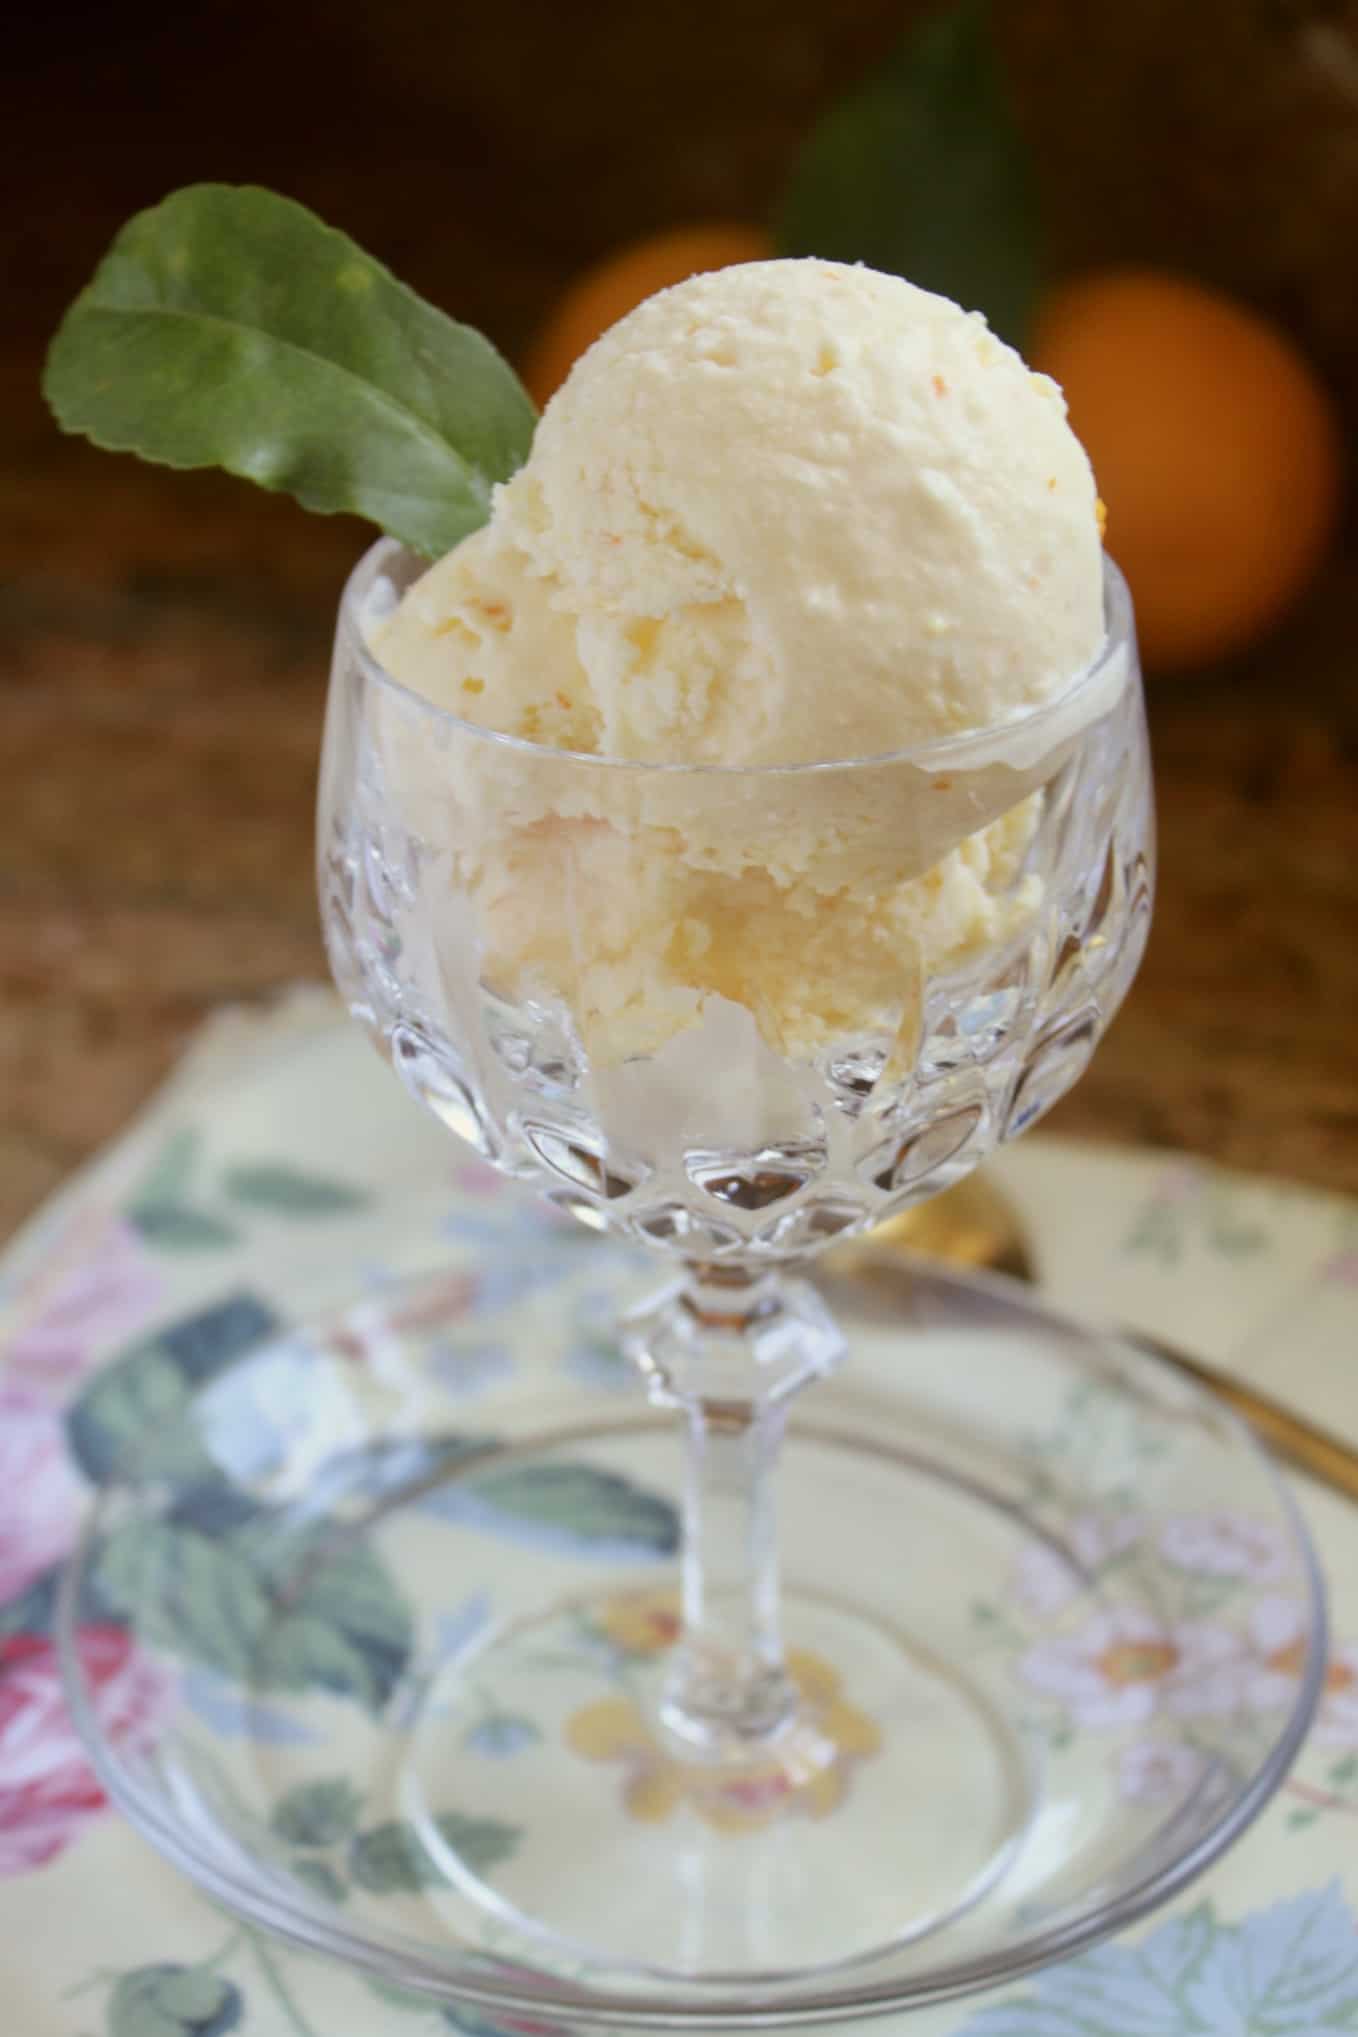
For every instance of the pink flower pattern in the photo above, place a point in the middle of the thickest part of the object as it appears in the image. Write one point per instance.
(372, 1333)
(479, 1178)
(1181, 1182)
(48, 1791)
(95, 1291)
(1225, 1545)
(40, 1494)
(1047, 1578)
(1341, 1268)
(1159, 1771)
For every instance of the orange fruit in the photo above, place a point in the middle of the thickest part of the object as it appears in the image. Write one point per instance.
(1215, 448)
(617, 284)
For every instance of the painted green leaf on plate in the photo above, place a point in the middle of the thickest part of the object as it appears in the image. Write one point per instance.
(187, 1593)
(482, 1843)
(162, 1208)
(354, 1634)
(134, 1416)
(230, 1602)
(570, 1507)
(287, 1191)
(173, 2001)
(320, 1878)
(172, 1168)
(317, 1813)
(179, 1227)
(390, 1859)
(205, 1343)
(229, 327)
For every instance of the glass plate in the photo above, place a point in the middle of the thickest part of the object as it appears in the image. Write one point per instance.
(408, 1587)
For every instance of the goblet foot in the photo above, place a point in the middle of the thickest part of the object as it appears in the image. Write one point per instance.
(892, 1798)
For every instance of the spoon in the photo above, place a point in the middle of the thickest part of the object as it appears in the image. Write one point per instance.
(974, 1225)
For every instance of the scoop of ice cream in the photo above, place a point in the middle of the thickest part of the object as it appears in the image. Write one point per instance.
(634, 938)
(791, 514)
(782, 513)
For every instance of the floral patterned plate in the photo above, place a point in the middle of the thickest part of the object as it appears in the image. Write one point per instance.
(437, 1557)
(243, 1192)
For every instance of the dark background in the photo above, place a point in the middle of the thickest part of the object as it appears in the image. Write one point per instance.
(164, 637)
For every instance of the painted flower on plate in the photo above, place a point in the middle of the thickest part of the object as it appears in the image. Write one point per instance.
(1123, 1666)
(1276, 1638)
(48, 1791)
(1225, 1545)
(656, 1784)
(373, 1333)
(40, 1494)
(1158, 1771)
(99, 1287)
(1048, 1575)
(638, 1623)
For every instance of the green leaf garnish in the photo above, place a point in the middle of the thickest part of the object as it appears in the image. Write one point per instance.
(921, 171)
(228, 327)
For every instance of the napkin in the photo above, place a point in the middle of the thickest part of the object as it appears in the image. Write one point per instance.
(282, 1159)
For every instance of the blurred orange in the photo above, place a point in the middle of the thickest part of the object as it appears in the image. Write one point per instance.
(618, 283)
(1214, 446)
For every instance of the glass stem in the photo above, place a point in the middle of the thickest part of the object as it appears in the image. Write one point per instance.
(729, 1348)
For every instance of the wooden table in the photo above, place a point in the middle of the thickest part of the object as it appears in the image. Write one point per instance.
(163, 638)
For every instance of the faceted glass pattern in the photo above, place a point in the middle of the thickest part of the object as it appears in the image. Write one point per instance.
(865, 1125)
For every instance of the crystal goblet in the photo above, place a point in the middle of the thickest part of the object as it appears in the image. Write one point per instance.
(675, 1000)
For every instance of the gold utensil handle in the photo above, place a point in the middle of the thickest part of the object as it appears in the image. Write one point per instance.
(1302, 1444)
(974, 1226)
